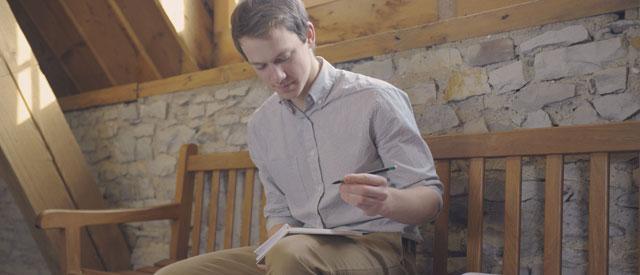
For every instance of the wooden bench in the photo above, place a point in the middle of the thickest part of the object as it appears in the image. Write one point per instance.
(196, 172)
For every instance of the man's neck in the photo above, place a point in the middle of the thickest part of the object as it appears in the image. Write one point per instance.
(315, 71)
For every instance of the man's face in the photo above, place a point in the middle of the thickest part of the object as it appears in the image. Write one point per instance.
(282, 61)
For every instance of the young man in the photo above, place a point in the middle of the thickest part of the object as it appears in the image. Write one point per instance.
(321, 125)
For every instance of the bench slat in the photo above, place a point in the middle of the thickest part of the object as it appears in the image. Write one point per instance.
(475, 217)
(599, 214)
(197, 214)
(247, 207)
(213, 210)
(263, 220)
(180, 228)
(553, 214)
(512, 191)
(230, 210)
(441, 238)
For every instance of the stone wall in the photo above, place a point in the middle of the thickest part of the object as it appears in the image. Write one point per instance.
(579, 72)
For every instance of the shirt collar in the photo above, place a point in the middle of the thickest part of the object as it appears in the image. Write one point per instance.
(319, 90)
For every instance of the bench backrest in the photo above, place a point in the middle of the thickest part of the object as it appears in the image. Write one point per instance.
(222, 171)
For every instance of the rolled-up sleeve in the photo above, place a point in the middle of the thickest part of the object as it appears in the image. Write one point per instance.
(276, 210)
(396, 135)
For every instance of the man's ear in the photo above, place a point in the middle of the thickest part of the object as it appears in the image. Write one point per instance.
(311, 35)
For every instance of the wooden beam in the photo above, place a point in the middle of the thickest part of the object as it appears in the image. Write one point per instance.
(66, 43)
(344, 20)
(35, 103)
(118, 53)
(454, 29)
(148, 25)
(197, 34)
(467, 7)
(224, 51)
(26, 166)
(458, 28)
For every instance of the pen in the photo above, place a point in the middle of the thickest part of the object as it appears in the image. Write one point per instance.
(375, 172)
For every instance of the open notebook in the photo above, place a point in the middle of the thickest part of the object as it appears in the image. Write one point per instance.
(286, 229)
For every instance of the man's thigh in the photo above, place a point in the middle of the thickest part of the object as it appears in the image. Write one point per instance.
(233, 261)
(376, 253)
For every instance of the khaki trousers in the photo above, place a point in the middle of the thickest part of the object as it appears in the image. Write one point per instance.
(374, 253)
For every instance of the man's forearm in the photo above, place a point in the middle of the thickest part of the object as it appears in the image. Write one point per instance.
(415, 205)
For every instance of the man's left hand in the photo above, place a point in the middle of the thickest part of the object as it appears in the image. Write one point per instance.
(371, 193)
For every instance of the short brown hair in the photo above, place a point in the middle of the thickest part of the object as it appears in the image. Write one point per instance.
(256, 18)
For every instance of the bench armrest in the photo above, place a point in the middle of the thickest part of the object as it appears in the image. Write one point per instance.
(65, 218)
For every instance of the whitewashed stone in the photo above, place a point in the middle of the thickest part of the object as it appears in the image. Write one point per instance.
(493, 101)
(610, 81)
(163, 165)
(537, 119)
(507, 78)
(585, 114)
(438, 118)
(124, 148)
(477, 126)
(435, 64)
(620, 26)
(144, 130)
(469, 109)
(88, 146)
(129, 112)
(212, 108)
(577, 60)
(617, 107)
(108, 172)
(489, 52)
(564, 37)
(144, 150)
(237, 137)
(221, 94)
(111, 113)
(108, 129)
(148, 252)
(101, 153)
(466, 83)
(203, 98)
(536, 96)
(423, 93)
(169, 140)
(256, 96)
(155, 110)
(181, 99)
(196, 110)
(381, 69)
(227, 119)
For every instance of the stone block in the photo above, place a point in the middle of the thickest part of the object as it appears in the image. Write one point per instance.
(620, 26)
(577, 60)
(157, 110)
(434, 64)
(382, 69)
(617, 107)
(196, 110)
(536, 96)
(466, 83)
(144, 150)
(144, 130)
(163, 165)
(564, 37)
(610, 81)
(584, 114)
(489, 52)
(477, 126)
(537, 119)
(507, 78)
(423, 93)
(124, 147)
(438, 118)
(170, 139)
(227, 119)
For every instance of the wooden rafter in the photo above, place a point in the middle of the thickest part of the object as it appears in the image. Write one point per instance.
(225, 51)
(66, 43)
(197, 34)
(123, 60)
(147, 25)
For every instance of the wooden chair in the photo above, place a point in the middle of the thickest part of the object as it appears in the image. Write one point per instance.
(187, 212)
(552, 143)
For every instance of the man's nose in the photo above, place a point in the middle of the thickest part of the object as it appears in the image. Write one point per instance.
(277, 74)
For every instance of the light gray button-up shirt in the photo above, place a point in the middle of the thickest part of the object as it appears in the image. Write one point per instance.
(352, 123)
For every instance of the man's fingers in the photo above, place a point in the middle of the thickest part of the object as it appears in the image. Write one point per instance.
(373, 192)
(365, 179)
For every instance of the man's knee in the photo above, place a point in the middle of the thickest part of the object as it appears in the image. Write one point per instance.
(295, 253)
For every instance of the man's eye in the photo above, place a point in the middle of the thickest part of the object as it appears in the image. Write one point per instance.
(282, 60)
(260, 67)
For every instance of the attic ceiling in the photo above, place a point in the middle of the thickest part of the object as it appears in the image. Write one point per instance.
(84, 46)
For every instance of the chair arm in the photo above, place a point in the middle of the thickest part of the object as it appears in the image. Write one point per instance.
(65, 218)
